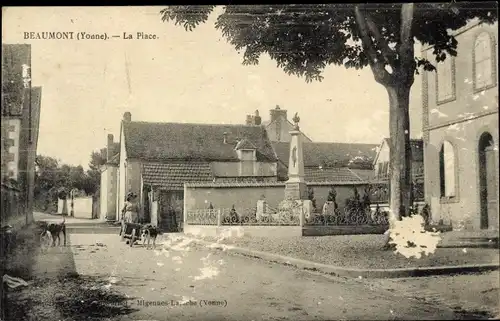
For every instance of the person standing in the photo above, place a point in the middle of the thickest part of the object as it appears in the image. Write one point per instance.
(130, 212)
(131, 209)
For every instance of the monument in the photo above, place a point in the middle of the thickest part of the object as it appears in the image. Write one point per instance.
(296, 187)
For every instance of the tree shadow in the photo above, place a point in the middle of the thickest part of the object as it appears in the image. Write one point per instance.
(474, 314)
(57, 287)
(89, 299)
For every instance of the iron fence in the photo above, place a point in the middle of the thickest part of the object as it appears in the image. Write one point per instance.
(349, 217)
(245, 216)
(202, 217)
(380, 192)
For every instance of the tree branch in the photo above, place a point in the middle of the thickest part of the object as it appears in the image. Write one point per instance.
(406, 49)
(378, 68)
(388, 54)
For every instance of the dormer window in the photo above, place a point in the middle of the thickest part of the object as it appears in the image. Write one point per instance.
(247, 154)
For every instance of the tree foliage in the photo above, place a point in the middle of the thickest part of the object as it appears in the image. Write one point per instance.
(51, 176)
(304, 39)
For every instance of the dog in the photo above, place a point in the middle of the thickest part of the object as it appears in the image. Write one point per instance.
(54, 230)
(148, 233)
(45, 241)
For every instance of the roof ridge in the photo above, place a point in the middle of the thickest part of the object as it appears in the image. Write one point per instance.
(315, 142)
(411, 139)
(355, 174)
(190, 123)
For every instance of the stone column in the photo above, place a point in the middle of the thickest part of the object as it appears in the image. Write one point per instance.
(261, 209)
(296, 187)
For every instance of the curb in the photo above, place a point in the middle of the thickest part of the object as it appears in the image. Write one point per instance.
(353, 273)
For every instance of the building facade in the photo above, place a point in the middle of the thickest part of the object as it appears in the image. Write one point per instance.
(109, 180)
(20, 123)
(158, 158)
(330, 162)
(460, 131)
(382, 160)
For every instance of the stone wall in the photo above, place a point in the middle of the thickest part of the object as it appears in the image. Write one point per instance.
(245, 195)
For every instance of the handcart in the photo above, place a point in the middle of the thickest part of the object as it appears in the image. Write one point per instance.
(131, 232)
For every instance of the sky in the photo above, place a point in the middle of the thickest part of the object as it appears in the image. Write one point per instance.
(194, 77)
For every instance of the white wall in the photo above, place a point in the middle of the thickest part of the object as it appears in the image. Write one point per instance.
(82, 207)
(105, 197)
(232, 169)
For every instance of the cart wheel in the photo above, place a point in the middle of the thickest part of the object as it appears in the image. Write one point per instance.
(132, 238)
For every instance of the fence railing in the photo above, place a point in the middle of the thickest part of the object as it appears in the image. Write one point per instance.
(364, 208)
(349, 217)
(247, 216)
(203, 217)
(380, 192)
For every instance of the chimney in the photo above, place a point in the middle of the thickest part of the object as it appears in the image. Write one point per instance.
(225, 137)
(127, 116)
(277, 113)
(109, 147)
(249, 120)
(257, 120)
(103, 152)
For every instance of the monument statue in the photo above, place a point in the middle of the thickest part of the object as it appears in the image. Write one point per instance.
(296, 120)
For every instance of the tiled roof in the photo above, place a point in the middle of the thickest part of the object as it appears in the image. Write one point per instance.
(115, 159)
(172, 176)
(417, 149)
(115, 148)
(245, 144)
(313, 174)
(329, 154)
(331, 174)
(192, 142)
(364, 174)
(289, 123)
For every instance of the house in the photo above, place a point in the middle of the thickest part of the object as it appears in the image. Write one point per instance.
(330, 162)
(323, 161)
(20, 124)
(109, 179)
(460, 131)
(381, 160)
(278, 126)
(156, 159)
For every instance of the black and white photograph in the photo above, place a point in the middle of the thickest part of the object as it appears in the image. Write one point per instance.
(250, 162)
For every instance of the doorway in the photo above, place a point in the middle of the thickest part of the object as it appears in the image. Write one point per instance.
(170, 210)
(488, 188)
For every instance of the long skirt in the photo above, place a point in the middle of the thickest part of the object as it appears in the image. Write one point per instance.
(131, 217)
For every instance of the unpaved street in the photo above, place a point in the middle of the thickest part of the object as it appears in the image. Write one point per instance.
(182, 282)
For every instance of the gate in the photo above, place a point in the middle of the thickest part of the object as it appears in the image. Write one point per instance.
(169, 212)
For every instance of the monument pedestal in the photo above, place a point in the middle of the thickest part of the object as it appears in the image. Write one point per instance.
(296, 190)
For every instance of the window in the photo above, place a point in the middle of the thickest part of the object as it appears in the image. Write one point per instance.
(447, 171)
(483, 61)
(445, 80)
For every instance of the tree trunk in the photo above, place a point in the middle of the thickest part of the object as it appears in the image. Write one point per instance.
(400, 200)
